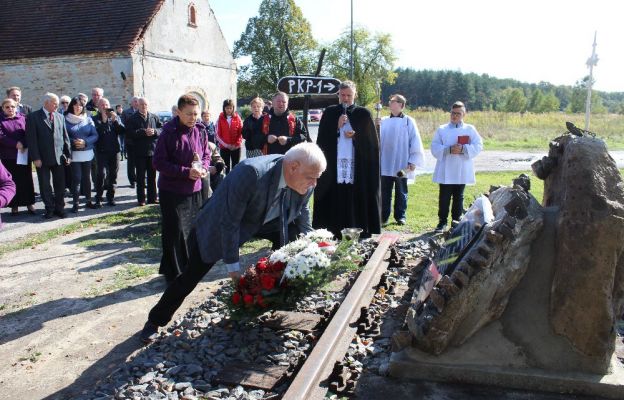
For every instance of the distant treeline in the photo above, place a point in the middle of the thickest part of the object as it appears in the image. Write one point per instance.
(439, 89)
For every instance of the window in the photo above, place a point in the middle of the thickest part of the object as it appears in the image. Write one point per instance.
(192, 16)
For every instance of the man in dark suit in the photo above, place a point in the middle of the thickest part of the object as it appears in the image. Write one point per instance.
(49, 148)
(15, 93)
(143, 128)
(264, 197)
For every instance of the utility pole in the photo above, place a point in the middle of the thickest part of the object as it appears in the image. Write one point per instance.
(591, 63)
(351, 48)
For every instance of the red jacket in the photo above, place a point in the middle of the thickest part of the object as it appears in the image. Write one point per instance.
(232, 133)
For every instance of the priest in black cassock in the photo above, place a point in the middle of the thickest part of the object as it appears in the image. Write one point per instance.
(348, 193)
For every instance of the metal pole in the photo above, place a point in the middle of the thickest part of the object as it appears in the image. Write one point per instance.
(591, 62)
(351, 48)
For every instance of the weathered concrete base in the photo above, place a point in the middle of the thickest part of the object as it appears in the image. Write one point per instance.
(490, 359)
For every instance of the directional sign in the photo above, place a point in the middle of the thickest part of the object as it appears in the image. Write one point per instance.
(308, 85)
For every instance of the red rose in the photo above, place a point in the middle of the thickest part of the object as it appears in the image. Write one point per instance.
(236, 298)
(267, 282)
(323, 244)
(260, 301)
(262, 264)
(248, 299)
(242, 282)
(278, 266)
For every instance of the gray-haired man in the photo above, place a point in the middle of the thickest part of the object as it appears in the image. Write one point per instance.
(49, 148)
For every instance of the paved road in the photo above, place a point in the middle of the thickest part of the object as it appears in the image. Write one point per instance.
(25, 224)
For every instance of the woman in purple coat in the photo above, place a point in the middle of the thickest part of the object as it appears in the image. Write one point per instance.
(7, 188)
(12, 141)
(182, 158)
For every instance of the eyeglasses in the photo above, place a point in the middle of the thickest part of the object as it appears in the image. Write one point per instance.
(64, 102)
(456, 113)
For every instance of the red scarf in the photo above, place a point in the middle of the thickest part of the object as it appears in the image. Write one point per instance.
(231, 133)
(266, 121)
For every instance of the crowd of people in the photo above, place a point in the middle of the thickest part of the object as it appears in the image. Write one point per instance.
(211, 202)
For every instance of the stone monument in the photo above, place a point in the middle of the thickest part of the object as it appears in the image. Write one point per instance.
(533, 301)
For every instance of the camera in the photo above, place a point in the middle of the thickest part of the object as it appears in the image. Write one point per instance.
(110, 110)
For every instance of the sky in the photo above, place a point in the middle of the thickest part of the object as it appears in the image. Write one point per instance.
(526, 40)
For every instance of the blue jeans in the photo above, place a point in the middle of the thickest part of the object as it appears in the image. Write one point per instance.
(400, 197)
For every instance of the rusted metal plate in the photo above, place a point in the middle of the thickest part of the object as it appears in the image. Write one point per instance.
(305, 322)
(264, 377)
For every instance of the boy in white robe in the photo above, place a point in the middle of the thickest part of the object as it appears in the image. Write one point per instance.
(454, 145)
(401, 152)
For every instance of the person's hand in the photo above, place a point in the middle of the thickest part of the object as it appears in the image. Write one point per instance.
(19, 146)
(342, 120)
(195, 174)
(349, 134)
(68, 161)
(377, 121)
(235, 276)
(113, 116)
(271, 139)
(411, 166)
(37, 163)
(212, 170)
(282, 140)
(149, 131)
(456, 149)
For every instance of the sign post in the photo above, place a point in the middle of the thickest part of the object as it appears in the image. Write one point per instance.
(308, 85)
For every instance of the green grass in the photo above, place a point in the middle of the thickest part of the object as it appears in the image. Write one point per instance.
(143, 214)
(516, 131)
(124, 277)
(422, 203)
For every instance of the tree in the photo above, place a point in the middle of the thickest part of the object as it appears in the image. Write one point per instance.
(263, 40)
(550, 103)
(515, 101)
(535, 103)
(579, 96)
(373, 60)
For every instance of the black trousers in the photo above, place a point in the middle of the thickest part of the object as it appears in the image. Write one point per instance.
(178, 212)
(81, 178)
(130, 166)
(444, 201)
(144, 166)
(196, 269)
(94, 165)
(107, 171)
(52, 202)
(231, 158)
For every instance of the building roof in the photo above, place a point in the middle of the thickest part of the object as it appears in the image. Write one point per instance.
(47, 28)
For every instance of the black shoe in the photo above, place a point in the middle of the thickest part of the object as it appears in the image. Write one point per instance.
(32, 211)
(440, 228)
(98, 204)
(132, 186)
(112, 203)
(384, 223)
(48, 215)
(60, 214)
(74, 209)
(401, 221)
(149, 332)
(91, 205)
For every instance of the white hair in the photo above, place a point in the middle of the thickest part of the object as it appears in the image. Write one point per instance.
(308, 154)
(99, 90)
(65, 98)
(49, 96)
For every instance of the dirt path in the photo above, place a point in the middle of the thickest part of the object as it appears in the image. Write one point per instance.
(70, 309)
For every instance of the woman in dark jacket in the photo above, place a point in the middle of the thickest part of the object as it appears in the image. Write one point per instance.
(82, 136)
(183, 159)
(12, 141)
(252, 129)
(7, 188)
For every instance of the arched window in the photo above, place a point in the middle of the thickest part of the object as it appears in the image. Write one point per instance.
(192, 16)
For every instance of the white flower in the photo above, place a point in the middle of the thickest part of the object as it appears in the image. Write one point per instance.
(319, 235)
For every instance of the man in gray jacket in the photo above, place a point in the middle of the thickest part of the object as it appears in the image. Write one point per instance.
(49, 148)
(263, 197)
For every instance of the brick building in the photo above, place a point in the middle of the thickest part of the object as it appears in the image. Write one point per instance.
(153, 48)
